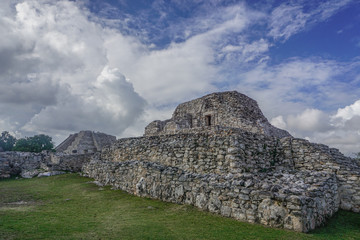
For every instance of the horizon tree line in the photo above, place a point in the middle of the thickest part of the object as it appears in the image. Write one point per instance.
(36, 143)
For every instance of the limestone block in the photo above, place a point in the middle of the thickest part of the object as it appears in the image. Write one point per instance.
(345, 205)
(298, 224)
(226, 211)
(201, 201)
(48, 174)
(179, 193)
(29, 173)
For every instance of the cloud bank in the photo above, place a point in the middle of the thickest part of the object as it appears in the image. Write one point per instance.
(340, 130)
(56, 78)
(67, 66)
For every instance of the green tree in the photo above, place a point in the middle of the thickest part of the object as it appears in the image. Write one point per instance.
(36, 143)
(22, 145)
(7, 141)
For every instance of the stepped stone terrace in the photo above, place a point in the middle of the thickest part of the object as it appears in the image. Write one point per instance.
(220, 154)
(85, 142)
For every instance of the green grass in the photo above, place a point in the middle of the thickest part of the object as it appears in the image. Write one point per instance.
(69, 207)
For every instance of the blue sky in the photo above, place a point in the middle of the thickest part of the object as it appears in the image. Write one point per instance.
(337, 38)
(157, 19)
(114, 66)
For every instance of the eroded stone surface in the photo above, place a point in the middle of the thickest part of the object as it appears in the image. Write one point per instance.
(29, 165)
(217, 110)
(296, 205)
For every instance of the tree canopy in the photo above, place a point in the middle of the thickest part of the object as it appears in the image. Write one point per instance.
(7, 141)
(36, 143)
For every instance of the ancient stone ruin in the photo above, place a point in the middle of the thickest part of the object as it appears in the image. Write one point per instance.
(85, 142)
(224, 110)
(29, 164)
(70, 156)
(220, 154)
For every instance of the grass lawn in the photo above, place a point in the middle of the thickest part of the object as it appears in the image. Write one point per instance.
(69, 207)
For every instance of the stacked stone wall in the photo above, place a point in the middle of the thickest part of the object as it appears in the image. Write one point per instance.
(303, 203)
(219, 153)
(288, 183)
(31, 164)
(65, 162)
(322, 178)
(13, 163)
(319, 157)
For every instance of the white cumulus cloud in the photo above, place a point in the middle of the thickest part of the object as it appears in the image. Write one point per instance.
(309, 120)
(109, 105)
(348, 112)
(279, 122)
(340, 130)
(57, 78)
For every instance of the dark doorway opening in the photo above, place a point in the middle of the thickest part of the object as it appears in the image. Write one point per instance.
(208, 120)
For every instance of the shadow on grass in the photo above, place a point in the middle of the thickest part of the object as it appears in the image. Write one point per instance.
(343, 225)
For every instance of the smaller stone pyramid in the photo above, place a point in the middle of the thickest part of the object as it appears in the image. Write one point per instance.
(85, 142)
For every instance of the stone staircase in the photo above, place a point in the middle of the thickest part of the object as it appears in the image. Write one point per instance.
(66, 143)
(83, 143)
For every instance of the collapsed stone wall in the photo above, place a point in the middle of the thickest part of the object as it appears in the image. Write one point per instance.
(321, 177)
(65, 162)
(13, 163)
(29, 164)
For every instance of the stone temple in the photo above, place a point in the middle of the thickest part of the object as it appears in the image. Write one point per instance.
(224, 110)
(85, 142)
